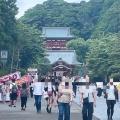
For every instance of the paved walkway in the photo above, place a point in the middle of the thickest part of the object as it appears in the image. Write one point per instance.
(100, 110)
(11, 113)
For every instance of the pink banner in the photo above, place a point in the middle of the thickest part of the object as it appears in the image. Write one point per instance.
(9, 77)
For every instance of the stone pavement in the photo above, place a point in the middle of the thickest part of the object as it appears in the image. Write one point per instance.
(101, 110)
(11, 113)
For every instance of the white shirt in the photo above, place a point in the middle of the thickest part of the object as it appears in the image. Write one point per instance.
(89, 93)
(38, 88)
(110, 93)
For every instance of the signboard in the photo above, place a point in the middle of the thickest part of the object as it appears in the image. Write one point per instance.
(9, 77)
(4, 54)
(32, 70)
(4, 60)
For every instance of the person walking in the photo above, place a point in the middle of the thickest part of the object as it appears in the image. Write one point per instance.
(13, 93)
(74, 87)
(64, 99)
(31, 89)
(110, 100)
(118, 88)
(88, 101)
(23, 95)
(50, 89)
(99, 89)
(38, 91)
(3, 92)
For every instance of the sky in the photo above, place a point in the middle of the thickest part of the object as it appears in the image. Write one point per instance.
(23, 5)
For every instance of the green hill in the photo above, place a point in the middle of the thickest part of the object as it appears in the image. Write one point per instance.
(86, 19)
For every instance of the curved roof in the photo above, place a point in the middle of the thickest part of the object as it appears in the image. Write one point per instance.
(69, 56)
(56, 32)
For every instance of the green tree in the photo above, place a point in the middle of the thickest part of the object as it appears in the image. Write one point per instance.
(80, 46)
(29, 46)
(103, 56)
(8, 36)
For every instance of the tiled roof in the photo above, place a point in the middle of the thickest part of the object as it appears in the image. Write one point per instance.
(56, 32)
(69, 56)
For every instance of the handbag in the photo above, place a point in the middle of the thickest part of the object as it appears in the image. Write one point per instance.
(50, 93)
(106, 96)
(45, 95)
(86, 100)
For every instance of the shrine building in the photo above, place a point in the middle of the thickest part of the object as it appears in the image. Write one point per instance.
(63, 61)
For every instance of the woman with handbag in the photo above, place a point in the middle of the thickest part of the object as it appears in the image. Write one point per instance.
(49, 89)
(64, 99)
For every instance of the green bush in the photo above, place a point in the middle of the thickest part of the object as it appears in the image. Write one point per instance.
(23, 72)
(4, 71)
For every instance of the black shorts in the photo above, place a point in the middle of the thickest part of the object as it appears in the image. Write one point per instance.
(13, 96)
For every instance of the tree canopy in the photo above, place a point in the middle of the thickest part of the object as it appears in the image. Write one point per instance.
(86, 19)
(95, 25)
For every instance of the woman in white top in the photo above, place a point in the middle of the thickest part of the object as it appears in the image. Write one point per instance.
(3, 95)
(110, 100)
(49, 88)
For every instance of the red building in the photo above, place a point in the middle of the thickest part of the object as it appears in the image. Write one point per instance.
(56, 37)
(63, 61)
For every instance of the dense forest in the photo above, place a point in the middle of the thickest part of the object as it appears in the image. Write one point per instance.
(86, 20)
(95, 25)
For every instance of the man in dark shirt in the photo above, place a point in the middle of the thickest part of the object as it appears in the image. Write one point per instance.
(74, 87)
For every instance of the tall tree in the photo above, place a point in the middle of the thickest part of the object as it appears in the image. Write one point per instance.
(104, 55)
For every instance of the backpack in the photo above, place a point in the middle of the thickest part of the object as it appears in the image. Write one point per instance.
(23, 93)
(14, 89)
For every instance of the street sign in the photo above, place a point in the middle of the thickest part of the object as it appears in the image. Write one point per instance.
(4, 54)
(4, 61)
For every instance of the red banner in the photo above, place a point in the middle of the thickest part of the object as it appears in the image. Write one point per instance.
(9, 77)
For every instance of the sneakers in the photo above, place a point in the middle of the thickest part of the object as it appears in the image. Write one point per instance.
(110, 119)
(47, 110)
(23, 109)
(50, 111)
(38, 111)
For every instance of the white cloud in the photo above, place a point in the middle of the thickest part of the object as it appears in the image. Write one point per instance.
(23, 5)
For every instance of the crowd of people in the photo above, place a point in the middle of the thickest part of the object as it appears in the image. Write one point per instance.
(61, 94)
